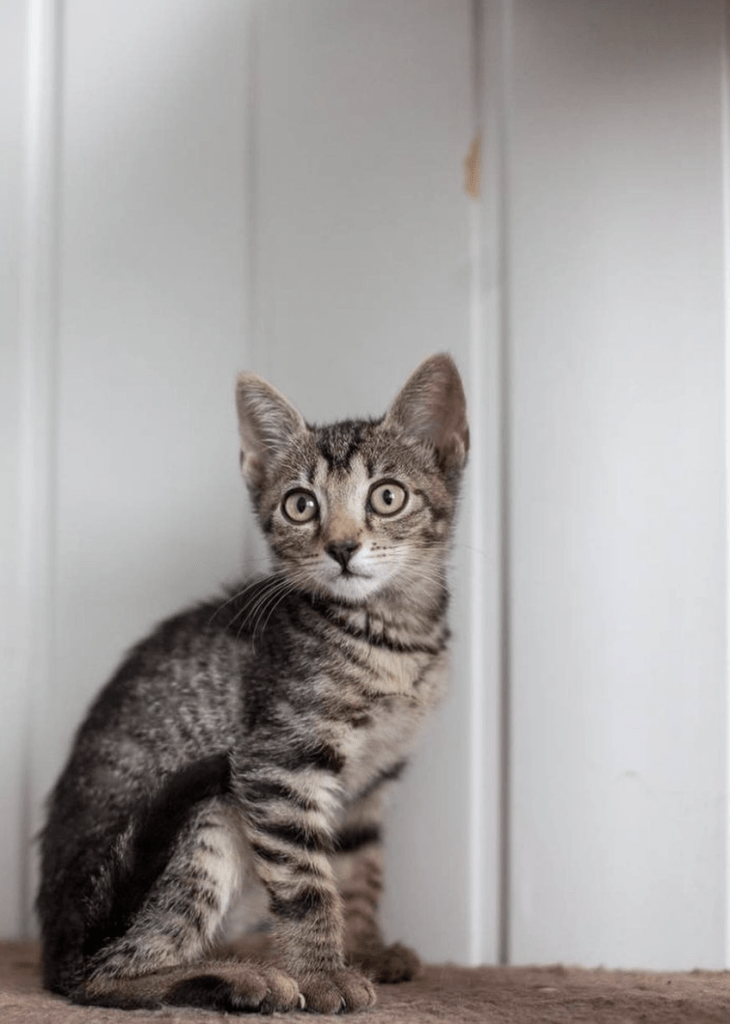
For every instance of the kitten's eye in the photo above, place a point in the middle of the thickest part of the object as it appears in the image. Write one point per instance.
(388, 498)
(300, 506)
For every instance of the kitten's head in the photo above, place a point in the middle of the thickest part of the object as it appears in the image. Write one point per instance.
(361, 507)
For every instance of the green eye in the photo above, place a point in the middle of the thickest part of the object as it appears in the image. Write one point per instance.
(387, 498)
(300, 506)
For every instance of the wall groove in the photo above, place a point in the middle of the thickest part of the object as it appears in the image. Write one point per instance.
(489, 599)
(477, 661)
(38, 381)
(725, 129)
(504, 41)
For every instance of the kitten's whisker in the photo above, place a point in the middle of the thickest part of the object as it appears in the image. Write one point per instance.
(251, 609)
(274, 598)
(269, 600)
(411, 563)
(234, 597)
(274, 605)
(238, 594)
(271, 597)
(246, 607)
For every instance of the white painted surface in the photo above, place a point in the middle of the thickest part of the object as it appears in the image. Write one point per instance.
(363, 117)
(285, 166)
(278, 184)
(619, 689)
(13, 703)
(152, 316)
(487, 494)
(144, 506)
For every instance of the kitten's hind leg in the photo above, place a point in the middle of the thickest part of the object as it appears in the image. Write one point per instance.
(359, 869)
(160, 957)
(229, 986)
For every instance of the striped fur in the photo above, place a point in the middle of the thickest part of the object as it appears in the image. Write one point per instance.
(248, 744)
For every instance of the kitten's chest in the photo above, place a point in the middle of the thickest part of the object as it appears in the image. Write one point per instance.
(390, 729)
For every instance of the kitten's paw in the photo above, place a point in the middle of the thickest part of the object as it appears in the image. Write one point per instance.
(238, 988)
(387, 964)
(339, 992)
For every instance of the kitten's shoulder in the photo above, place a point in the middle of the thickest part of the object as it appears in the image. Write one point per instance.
(198, 641)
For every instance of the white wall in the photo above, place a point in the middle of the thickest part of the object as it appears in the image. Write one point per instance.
(191, 187)
(362, 268)
(618, 731)
(275, 185)
(13, 701)
(122, 342)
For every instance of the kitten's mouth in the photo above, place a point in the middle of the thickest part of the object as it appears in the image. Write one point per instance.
(351, 585)
(348, 575)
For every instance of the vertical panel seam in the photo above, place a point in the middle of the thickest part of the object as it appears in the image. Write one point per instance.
(491, 22)
(38, 347)
(251, 344)
(504, 113)
(725, 131)
(477, 666)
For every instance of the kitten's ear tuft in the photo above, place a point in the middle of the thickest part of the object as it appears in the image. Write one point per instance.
(431, 406)
(267, 423)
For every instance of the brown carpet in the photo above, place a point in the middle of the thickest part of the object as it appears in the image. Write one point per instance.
(477, 995)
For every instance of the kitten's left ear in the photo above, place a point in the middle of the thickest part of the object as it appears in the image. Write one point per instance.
(431, 406)
(267, 423)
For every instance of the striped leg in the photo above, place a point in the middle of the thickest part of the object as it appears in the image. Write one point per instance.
(287, 816)
(359, 869)
(159, 956)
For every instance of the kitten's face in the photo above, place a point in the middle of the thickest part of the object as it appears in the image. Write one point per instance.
(359, 508)
(352, 511)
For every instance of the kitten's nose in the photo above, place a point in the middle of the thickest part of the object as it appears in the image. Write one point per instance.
(342, 550)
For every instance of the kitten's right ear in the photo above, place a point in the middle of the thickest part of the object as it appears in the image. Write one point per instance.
(267, 422)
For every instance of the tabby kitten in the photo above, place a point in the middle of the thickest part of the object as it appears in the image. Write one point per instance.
(250, 742)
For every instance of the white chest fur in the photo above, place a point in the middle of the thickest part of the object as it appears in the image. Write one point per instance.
(395, 721)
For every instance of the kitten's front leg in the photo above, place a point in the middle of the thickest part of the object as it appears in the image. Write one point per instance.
(287, 825)
(359, 872)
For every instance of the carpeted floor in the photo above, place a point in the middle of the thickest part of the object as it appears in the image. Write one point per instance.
(458, 995)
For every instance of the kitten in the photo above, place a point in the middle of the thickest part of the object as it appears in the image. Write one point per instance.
(251, 742)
